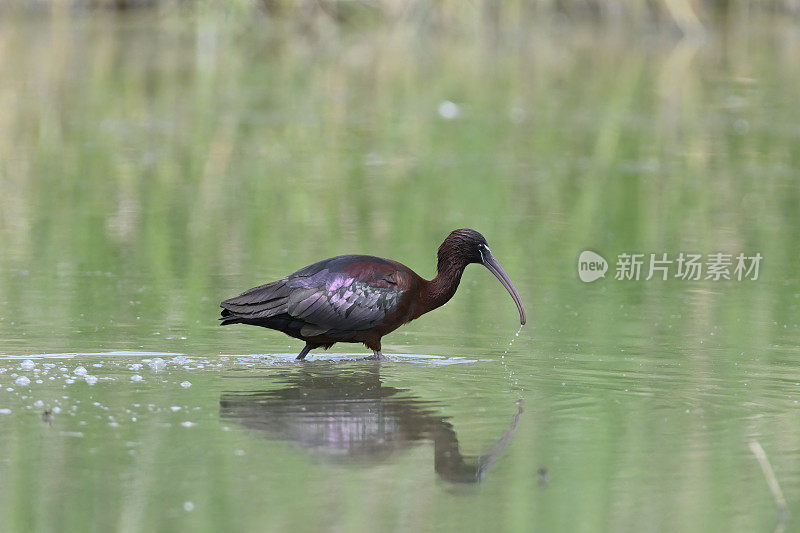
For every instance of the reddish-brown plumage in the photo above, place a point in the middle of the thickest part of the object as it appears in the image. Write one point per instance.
(359, 298)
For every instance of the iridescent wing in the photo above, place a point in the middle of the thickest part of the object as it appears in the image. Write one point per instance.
(323, 297)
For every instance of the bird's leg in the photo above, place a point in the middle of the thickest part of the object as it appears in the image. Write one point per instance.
(304, 352)
(374, 344)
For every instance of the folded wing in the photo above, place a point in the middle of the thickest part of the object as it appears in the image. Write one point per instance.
(325, 301)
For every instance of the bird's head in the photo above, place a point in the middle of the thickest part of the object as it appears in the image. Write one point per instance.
(465, 246)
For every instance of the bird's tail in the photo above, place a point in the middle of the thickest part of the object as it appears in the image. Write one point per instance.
(229, 318)
(259, 302)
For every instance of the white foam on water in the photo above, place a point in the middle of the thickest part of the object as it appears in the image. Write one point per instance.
(157, 364)
(22, 381)
(418, 356)
(137, 353)
(72, 355)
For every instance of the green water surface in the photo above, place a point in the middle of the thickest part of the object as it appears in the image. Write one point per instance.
(155, 163)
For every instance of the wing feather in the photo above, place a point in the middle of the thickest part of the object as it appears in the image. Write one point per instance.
(336, 302)
(260, 302)
(324, 300)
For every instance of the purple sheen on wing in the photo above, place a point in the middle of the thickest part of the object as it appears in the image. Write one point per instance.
(334, 284)
(339, 282)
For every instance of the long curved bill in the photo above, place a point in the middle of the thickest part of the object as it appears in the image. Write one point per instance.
(494, 267)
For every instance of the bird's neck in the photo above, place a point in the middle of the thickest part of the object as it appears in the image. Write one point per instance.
(440, 289)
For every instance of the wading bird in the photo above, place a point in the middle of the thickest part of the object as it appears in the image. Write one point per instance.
(360, 298)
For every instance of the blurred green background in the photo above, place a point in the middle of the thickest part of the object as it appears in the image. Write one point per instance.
(156, 158)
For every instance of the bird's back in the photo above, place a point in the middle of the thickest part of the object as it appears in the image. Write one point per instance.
(334, 297)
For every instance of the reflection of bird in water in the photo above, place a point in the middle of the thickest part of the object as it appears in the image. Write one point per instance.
(346, 417)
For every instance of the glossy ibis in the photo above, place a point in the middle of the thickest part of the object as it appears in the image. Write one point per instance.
(360, 298)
